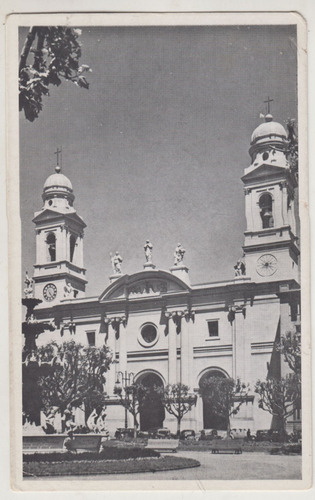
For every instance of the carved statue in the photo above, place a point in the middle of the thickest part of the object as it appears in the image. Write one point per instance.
(28, 290)
(100, 422)
(179, 254)
(240, 269)
(116, 261)
(148, 247)
(68, 291)
(91, 421)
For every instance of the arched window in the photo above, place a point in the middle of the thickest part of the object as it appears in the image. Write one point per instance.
(73, 241)
(51, 245)
(265, 205)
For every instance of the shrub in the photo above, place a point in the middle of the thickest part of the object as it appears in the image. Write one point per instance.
(286, 449)
(106, 454)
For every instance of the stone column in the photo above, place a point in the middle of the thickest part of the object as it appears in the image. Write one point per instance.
(186, 350)
(122, 345)
(111, 374)
(39, 244)
(240, 344)
(172, 354)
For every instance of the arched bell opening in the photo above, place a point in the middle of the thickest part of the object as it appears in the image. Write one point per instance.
(152, 414)
(51, 247)
(265, 205)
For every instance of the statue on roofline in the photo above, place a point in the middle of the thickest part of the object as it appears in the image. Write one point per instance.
(240, 269)
(148, 247)
(116, 261)
(28, 290)
(179, 254)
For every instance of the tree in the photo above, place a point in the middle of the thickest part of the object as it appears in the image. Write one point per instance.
(132, 398)
(290, 347)
(177, 400)
(49, 54)
(225, 395)
(279, 397)
(76, 377)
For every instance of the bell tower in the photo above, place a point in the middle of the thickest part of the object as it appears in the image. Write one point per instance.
(58, 272)
(270, 182)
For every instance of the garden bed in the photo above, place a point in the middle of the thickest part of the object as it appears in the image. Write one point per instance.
(78, 466)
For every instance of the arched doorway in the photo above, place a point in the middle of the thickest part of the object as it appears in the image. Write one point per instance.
(153, 413)
(210, 419)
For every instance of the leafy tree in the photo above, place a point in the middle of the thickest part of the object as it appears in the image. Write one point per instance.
(76, 376)
(279, 397)
(225, 395)
(177, 400)
(49, 54)
(133, 398)
(290, 347)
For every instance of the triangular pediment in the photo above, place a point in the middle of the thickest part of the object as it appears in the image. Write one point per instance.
(144, 284)
(264, 172)
(51, 215)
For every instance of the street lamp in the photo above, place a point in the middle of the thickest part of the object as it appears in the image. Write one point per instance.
(124, 379)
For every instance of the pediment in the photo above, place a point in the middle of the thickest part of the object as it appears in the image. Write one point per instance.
(143, 285)
(50, 215)
(264, 172)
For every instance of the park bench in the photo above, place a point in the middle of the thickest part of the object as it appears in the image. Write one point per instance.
(84, 443)
(227, 445)
(163, 444)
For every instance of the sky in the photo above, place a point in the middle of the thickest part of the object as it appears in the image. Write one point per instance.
(156, 148)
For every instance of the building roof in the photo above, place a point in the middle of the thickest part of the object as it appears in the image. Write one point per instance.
(57, 180)
(269, 130)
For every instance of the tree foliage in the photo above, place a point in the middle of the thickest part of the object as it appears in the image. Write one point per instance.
(49, 54)
(133, 398)
(177, 400)
(77, 376)
(225, 395)
(290, 347)
(279, 397)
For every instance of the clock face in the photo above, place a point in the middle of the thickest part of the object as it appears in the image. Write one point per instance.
(50, 292)
(266, 265)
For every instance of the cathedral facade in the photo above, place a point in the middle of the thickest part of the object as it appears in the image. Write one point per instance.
(161, 328)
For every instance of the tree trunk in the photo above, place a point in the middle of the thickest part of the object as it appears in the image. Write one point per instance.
(178, 427)
(134, 427)
(228, 428)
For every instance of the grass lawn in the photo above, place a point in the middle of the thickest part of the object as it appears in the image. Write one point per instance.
(89, 467)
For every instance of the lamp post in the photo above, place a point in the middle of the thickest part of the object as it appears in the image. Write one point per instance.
(124, 379)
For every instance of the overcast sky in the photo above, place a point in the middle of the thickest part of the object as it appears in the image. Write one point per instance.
(155, 149)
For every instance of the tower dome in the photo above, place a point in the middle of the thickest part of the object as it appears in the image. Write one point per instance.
(268, 131)
(57, 185)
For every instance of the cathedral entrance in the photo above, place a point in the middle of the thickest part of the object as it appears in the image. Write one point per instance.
(152, 414)
(211, 420)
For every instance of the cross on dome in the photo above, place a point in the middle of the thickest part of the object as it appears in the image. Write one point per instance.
(58, 152)
(268, 101)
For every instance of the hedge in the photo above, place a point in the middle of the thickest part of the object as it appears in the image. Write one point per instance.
(106, 454)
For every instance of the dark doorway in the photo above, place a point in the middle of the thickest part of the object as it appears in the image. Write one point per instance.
(210, 419)
(153, 413)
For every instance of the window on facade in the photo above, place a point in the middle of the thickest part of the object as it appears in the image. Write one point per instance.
(91, 338)
(73, 240)
(213, 328)
(51, 244)
(265, 205)
(148, 335)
